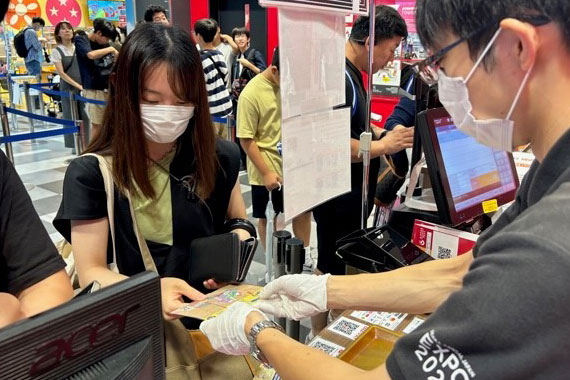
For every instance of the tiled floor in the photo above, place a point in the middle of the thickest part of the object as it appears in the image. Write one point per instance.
(41, 165)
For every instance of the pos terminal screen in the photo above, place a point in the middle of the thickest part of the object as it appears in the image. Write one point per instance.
(475, 173)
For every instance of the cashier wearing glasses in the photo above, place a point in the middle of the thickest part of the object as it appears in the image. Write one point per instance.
(502, 311)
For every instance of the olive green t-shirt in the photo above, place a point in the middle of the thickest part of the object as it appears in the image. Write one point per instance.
(154, 216)
(259, 118)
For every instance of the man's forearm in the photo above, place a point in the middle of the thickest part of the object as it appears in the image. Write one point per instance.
(95, 54)
(377, 149)
(254, 154)
(416, 289)
(295, 361)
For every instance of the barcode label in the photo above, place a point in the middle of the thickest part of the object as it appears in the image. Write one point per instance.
(443, 253)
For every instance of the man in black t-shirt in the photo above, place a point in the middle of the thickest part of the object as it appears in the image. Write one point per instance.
(501, 311)
(342, 215)
(95, 58)
(32, 274)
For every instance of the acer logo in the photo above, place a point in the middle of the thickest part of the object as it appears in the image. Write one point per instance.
(51, 354)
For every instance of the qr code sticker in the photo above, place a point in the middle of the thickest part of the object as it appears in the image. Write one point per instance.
(443, 253)
(327, 347)
(347, 327)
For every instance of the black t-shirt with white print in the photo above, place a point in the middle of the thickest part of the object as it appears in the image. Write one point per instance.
(511, 318)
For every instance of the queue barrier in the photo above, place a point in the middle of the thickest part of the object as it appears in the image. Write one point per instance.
(75, 127)
(47, 119)
(40, 87)
(38, 135)
(87, 100)
(71, 127)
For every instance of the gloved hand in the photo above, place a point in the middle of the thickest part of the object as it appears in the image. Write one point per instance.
(226, 332)
(295, 296)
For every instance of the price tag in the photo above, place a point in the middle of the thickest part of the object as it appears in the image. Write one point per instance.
(490, 206)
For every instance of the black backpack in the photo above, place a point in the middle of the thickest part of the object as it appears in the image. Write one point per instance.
(20, 43)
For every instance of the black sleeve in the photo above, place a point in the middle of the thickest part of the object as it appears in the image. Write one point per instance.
(259, 61)
(82, 45)
(229, 159)
(404, 114)
(229, 156)
(84, 196)
(28, 254)
(510, 320)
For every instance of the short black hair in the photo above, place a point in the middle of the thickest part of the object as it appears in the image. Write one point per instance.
(464, 17)
(239, 31)
(388, 24)
(207, 28)
(151, 10)
(275, 58)
(106, 28)
(39, 20)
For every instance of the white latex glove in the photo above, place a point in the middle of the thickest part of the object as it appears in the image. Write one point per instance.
(226, 332)
(295, 296)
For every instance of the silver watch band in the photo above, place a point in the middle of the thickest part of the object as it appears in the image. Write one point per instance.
(255, 330)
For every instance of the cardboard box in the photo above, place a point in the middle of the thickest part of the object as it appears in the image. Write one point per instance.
(442, 242)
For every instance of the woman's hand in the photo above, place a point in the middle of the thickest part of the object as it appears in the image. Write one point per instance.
(213, 284)
(241, 233)
(172, 290)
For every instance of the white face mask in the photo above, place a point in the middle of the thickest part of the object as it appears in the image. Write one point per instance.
(453, 94)
(164, 124)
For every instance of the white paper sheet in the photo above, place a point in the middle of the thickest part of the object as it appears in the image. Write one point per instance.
(312, 61)
(316, 159)
(343, 6)
(523, 162)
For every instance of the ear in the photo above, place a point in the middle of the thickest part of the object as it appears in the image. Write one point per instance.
(528, 41)
(367, 43)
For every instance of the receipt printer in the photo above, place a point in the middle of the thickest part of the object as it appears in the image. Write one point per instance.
(379, 249)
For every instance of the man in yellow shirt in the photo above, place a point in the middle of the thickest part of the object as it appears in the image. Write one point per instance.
(259, 131)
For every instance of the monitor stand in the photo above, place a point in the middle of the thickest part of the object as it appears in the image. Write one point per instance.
(403, 217)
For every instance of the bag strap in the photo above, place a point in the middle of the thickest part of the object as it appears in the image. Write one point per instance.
(251, 55)
(104, 165)
(217, 69)
(145, 252)
(110, 191)
(63, 55)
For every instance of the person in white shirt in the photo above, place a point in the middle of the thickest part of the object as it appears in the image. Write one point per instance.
(66, 66)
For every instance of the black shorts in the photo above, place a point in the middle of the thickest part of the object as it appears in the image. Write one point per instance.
(260, 198)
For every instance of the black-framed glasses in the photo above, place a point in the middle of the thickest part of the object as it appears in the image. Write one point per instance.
(427, 68)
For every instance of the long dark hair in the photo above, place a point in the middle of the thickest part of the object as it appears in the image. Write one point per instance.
(122, 135)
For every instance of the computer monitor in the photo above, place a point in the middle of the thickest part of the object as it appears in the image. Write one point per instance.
(464, 174)
(114, 333)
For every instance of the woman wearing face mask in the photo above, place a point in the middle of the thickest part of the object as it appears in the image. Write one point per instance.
(158, 139)
(63, 56)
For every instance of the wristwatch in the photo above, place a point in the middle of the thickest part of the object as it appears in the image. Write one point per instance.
(255, 330)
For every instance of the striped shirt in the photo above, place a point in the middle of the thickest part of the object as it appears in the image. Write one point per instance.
(33, 45)
(218, 95)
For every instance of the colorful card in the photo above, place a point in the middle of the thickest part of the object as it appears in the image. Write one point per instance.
(217, 301)
(348, 328)
(327, 347)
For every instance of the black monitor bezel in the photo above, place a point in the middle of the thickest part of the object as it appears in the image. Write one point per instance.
(438, 174)
(13, 338)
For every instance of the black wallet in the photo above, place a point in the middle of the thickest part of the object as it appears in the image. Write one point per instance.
(222, 257)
